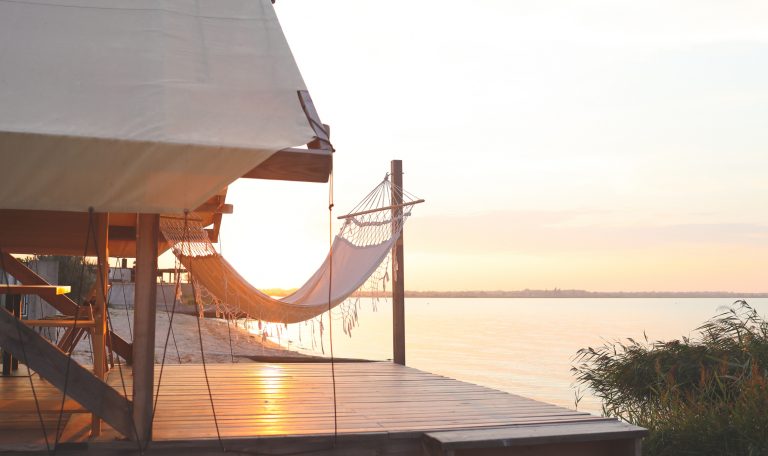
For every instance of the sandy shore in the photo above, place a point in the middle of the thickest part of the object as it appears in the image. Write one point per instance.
(184, 341)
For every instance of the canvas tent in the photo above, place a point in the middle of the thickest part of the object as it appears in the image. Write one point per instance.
(145, 106)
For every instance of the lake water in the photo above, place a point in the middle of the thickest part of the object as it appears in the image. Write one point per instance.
(523, 346)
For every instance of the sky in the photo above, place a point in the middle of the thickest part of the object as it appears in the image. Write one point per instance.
(601, 144)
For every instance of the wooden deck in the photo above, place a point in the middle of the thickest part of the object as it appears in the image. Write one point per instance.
(380, 406)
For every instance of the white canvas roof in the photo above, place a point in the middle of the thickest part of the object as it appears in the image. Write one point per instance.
(142, 105)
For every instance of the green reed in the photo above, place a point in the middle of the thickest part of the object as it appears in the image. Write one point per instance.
(706, 395)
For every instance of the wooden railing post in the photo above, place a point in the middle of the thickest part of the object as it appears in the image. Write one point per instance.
(398, 268)
(144, 323)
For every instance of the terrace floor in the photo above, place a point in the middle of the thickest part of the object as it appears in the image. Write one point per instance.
(381, 408)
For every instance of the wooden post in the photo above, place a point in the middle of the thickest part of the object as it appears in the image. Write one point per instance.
(144, 323)
(398, 270)
(13, 306)
(99, 335)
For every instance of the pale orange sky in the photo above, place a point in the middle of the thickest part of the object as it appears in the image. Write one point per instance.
(603, 145)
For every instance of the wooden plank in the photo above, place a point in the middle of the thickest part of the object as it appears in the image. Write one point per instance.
(292, 164)
(534, 435)
(51, 364)
(38, 290)
(23, 274)
(398, 269)
(622, 438)
(144, 323)
(60, 323)
(215, 205)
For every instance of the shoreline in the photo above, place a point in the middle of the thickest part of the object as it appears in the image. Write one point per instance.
(184, 340)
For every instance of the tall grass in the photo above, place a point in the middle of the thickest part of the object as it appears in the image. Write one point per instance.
(706, 395)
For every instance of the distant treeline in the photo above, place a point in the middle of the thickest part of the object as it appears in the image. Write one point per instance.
(553, 293)
(558, 293)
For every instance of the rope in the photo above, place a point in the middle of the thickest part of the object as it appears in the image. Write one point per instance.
(26, 362)
(168, 315)
(168, 333)
(229, 333)
(101, 274)
(205, 367)
(74, 331)
(207, 381)
(125, 305)
(330, 307)
(229, 314)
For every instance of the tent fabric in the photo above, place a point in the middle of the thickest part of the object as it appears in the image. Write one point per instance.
(144, 106)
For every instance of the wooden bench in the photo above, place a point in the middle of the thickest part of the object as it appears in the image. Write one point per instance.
(608, 437)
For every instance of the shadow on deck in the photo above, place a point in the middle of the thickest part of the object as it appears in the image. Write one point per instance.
(282, 408)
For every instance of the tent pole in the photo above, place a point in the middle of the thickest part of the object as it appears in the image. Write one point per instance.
(99, 334)
(398, 268)
(145, 302)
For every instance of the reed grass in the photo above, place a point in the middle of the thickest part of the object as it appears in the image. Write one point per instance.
(706, 395)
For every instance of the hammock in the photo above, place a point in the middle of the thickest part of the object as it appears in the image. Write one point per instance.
(364, 241)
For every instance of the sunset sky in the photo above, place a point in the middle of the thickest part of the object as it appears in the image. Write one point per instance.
(602, 145)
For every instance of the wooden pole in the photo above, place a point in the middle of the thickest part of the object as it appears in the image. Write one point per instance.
(99, 334)
(144, 323)
(13, 306)
(398, 270)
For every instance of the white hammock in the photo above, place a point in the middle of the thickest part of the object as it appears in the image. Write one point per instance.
(363, 243)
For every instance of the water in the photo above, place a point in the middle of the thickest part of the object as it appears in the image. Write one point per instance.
(523, 346)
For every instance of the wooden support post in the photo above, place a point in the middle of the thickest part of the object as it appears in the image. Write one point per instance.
(12, 305)
(144, 323)
(398, 270)
(99, 336)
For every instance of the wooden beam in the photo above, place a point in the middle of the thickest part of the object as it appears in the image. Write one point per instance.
(61, 233)
(54, 366)
(386, 208)
(62, 303)
(298, 165)
(38, 290)
(216, 208)
(60, 323)
(99, 335)
(398, 268)
(215, 205)
(64, 233)
(622, 438)
(144, 323)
